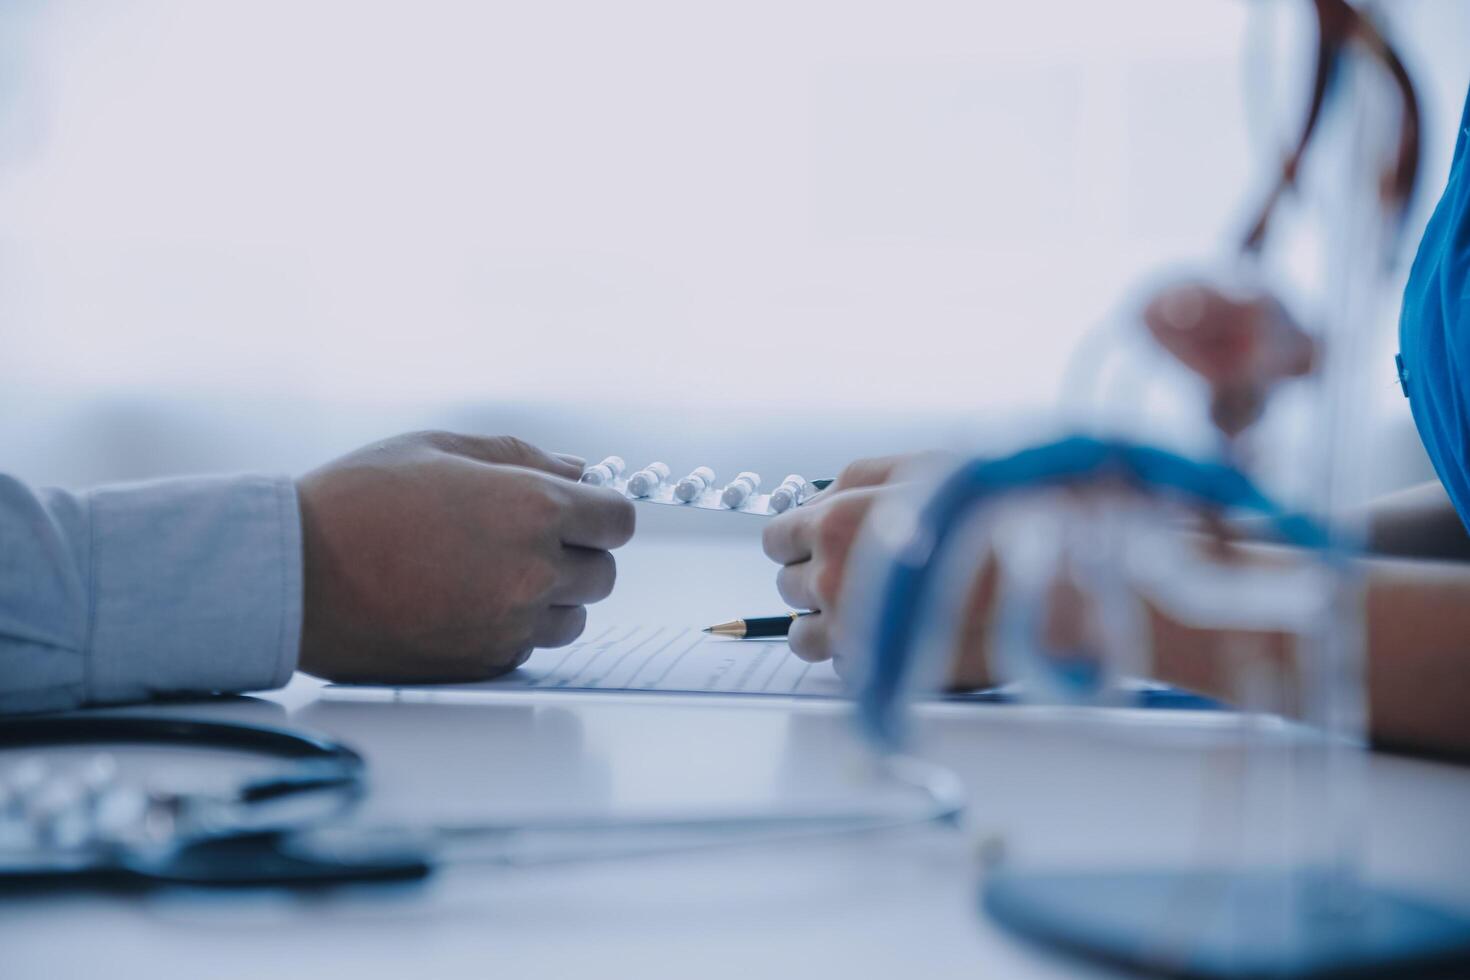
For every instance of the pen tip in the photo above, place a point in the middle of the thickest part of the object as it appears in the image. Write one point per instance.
(708, 629)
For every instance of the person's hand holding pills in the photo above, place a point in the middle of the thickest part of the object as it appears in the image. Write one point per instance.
(812, 544)
(442, 557)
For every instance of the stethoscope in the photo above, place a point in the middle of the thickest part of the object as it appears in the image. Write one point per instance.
(295, 825)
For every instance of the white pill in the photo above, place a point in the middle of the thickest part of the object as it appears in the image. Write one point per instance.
(789, 494)
(738, 491)
(604, 472)
(57, 814)
(27, 778)
(98, 773)
(695, 484)
(648, 479)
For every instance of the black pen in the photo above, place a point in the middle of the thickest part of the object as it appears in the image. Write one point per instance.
(756, 627)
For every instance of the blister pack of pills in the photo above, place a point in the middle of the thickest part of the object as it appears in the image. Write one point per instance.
(656, 483)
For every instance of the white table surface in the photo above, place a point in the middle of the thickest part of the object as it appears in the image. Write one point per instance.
(1052, 787)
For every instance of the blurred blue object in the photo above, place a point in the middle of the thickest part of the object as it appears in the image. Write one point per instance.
(1070, 461)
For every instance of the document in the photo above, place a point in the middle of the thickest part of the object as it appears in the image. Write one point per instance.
(681, 660)
(652, 658)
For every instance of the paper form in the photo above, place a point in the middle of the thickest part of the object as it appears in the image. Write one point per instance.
(658, 658)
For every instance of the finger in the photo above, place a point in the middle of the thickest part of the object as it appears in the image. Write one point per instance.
(825, 532)
(788, 539)
(500, 662)
(880, 469)
(506, 450)
(520, 657)
(557, 626)
(597, 517)
(820, 496)
(583, 575)
(797, 585)
(810, 639)
(867, 472)
(836, 532)
(842, 661)
(579, 462)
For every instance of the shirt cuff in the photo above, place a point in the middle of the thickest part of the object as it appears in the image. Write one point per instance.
(195, 587)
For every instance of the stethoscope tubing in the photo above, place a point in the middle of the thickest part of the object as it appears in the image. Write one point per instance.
(332, 848)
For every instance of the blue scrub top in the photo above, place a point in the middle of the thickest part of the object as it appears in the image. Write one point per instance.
(1434, 332)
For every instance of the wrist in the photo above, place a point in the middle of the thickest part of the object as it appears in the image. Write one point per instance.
(1232, 665)
(311, 630)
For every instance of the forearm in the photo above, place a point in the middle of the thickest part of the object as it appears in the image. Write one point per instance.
(1417, 669)
(1419, 522)
(1418, 654)
(124, 593)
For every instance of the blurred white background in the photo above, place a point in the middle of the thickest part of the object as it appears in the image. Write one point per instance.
(250, 235)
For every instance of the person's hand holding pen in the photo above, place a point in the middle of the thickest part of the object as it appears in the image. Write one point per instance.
(812, 544)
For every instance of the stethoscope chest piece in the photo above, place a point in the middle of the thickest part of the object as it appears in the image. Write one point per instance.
(90, 827)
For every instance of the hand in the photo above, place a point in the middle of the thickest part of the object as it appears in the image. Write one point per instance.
(1243, 345)
(812, 544)
(441, 557)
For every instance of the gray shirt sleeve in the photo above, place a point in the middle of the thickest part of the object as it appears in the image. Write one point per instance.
(128, 592)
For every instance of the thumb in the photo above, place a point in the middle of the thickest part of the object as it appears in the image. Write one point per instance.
(508, 451)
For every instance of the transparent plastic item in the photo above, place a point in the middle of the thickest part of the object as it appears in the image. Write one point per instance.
(1066, 626)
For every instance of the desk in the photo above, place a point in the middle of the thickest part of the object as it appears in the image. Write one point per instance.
(898, 905)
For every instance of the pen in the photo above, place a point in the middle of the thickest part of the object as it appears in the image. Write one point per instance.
(758, 626)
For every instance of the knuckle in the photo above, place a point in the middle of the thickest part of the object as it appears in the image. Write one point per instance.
(561, 627)
(576, 623)
(540, 507)
(595, 573)
(505, 649)
(621, 520)
(828, 583)
(436, 438)
(505, 658)
(768, 536)
(775, 534)
(834, 529)
(862, 472)
(510, 447)
(853, 473)
(405, 443)
(607, 576)
(534, 583)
